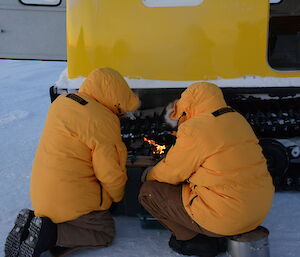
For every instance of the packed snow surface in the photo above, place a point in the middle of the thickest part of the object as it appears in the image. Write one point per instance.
(24, 100)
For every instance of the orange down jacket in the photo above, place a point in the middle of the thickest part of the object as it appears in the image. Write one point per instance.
(79, 165)
(228, 189)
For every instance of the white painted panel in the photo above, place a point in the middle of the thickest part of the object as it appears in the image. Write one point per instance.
(32, 32)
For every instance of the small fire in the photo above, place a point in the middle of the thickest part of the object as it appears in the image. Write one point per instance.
(160, 149)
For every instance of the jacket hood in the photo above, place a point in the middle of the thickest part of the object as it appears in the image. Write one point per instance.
(109, 88)
(198, 98)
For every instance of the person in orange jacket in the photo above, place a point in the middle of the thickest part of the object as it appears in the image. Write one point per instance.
(214, 181)
(78, 171)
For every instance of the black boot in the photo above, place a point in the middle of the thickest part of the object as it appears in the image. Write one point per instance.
(18, 233)
(42, 236)
(200, 245)
(222, 244)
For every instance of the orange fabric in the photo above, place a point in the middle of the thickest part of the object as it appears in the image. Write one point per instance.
(229, 189)
(81, 157)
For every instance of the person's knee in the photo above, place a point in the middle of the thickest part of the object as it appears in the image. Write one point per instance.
(148, 192)
(147, 189)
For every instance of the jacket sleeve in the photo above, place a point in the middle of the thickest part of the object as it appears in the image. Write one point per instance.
(182, 160)
(109, 166)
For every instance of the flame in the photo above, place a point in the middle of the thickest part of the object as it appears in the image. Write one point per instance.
(160, 149)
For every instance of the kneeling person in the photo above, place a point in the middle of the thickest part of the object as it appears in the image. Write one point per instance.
(78, 171)
(214, 181)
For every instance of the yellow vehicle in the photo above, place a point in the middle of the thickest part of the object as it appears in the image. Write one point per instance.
(185, 40)
(250, 48)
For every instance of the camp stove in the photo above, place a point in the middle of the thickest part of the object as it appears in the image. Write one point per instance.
(147, 134)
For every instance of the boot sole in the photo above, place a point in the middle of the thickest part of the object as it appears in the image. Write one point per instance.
(14, 238)
(28, 246)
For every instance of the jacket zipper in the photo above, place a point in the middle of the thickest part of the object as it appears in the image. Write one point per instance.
(101, 195)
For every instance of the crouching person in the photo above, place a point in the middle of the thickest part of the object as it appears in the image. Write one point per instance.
(78, 171)
(214, 181)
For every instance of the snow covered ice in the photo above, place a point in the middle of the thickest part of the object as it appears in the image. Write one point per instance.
(24, 101)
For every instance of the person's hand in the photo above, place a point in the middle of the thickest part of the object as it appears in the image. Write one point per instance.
(145, 173)
(169, 111)
(130, 115)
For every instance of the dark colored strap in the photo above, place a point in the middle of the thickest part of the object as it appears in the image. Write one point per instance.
(77, 99)
(222, 111)
(101, 194)
(193, 199)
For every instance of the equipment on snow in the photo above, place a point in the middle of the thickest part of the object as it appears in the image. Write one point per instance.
(252, 244)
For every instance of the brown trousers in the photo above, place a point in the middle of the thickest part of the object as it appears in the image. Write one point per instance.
(96, 229)
(164, 202)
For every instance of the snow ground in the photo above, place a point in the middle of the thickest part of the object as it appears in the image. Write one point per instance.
(24, 100)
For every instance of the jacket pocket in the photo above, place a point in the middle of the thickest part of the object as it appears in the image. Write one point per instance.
(122, 155)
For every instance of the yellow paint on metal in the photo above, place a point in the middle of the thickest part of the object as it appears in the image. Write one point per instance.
(216, 39)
